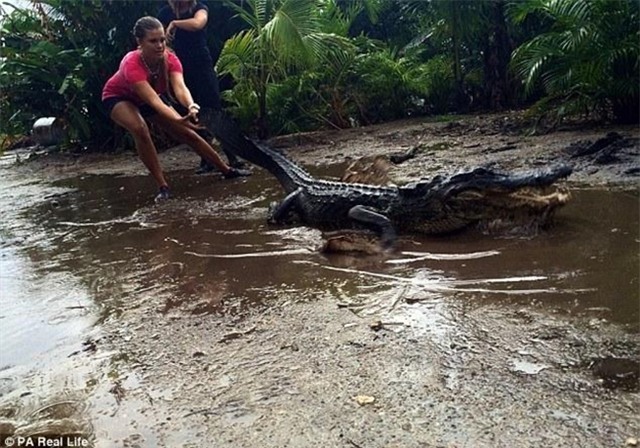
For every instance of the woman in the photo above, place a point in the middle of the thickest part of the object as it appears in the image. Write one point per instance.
(185, 24)
(138, 91)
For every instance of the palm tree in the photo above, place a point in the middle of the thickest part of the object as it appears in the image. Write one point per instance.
(497, 55)
(588, 61)
(282, 36)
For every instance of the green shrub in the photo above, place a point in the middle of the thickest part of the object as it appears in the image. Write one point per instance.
(434, 81)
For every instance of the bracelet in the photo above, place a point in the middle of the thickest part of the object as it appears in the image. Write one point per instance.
(194, 106)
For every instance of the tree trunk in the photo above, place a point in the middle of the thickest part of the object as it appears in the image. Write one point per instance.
(497, 55)
(261, 91)
(461, 101)
(262, 124)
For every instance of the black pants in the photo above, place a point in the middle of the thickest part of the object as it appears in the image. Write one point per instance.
(202, 81)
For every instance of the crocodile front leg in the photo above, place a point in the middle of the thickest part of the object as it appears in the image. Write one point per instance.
(371, 218)
(278, 212)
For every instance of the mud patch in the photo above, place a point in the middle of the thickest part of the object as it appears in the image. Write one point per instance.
(617, 373)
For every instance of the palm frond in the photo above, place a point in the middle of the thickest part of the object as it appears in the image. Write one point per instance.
(591, 53)
(571, 10)
(287, 28)
(238, 54)
(262, 10)
(519, 11)
(247, 14)
(328, 47)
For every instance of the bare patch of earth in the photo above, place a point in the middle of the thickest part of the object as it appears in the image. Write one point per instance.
(316, 374)
(502, 141)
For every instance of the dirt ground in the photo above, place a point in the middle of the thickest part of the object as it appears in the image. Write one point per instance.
(501, 141)
(314, 374)
(601, 155)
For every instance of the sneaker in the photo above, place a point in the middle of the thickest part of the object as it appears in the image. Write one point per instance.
(162, 195)
(236, 172)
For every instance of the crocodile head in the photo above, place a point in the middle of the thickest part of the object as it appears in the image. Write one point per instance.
(523, 211)
(496, 202)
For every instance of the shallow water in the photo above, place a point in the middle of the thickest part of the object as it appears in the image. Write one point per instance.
(75, 252)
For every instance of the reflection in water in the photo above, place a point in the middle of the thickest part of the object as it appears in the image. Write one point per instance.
(253, 254)
(617, 373)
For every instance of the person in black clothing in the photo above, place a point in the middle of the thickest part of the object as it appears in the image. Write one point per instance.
(185, 23)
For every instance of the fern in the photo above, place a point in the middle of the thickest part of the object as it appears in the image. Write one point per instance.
(589, 57)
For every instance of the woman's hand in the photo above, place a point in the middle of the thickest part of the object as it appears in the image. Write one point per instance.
(189, 122)
(170, 31)
(193, 109)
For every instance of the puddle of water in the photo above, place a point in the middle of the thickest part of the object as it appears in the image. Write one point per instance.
(527, 368)
(212, 250)
(98, 241)
(42, 302)
(38, 310)
(617, 373)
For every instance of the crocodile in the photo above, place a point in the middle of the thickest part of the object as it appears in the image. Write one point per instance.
(440, 205)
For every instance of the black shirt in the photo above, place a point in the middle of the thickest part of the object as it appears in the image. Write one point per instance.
(190, 46)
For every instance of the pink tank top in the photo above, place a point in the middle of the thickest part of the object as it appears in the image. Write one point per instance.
(132, 70)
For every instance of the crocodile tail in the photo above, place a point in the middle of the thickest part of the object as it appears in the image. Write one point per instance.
(227, 132)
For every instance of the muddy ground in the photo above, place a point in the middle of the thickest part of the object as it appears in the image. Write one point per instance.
(601, 155)
(319, 373)
(502, 141)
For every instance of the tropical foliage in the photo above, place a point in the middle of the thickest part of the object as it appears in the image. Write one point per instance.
(297, 65)
(589, 59)
(283, 37)
(57, 55)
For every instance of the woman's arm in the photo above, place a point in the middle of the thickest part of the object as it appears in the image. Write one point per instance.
(196, 23)
(182, 93)
(144, 90)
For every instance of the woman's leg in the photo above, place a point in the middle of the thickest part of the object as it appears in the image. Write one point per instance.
(127, 115)
(190, 137)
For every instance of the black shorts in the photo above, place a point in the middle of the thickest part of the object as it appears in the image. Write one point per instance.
(145, 110)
